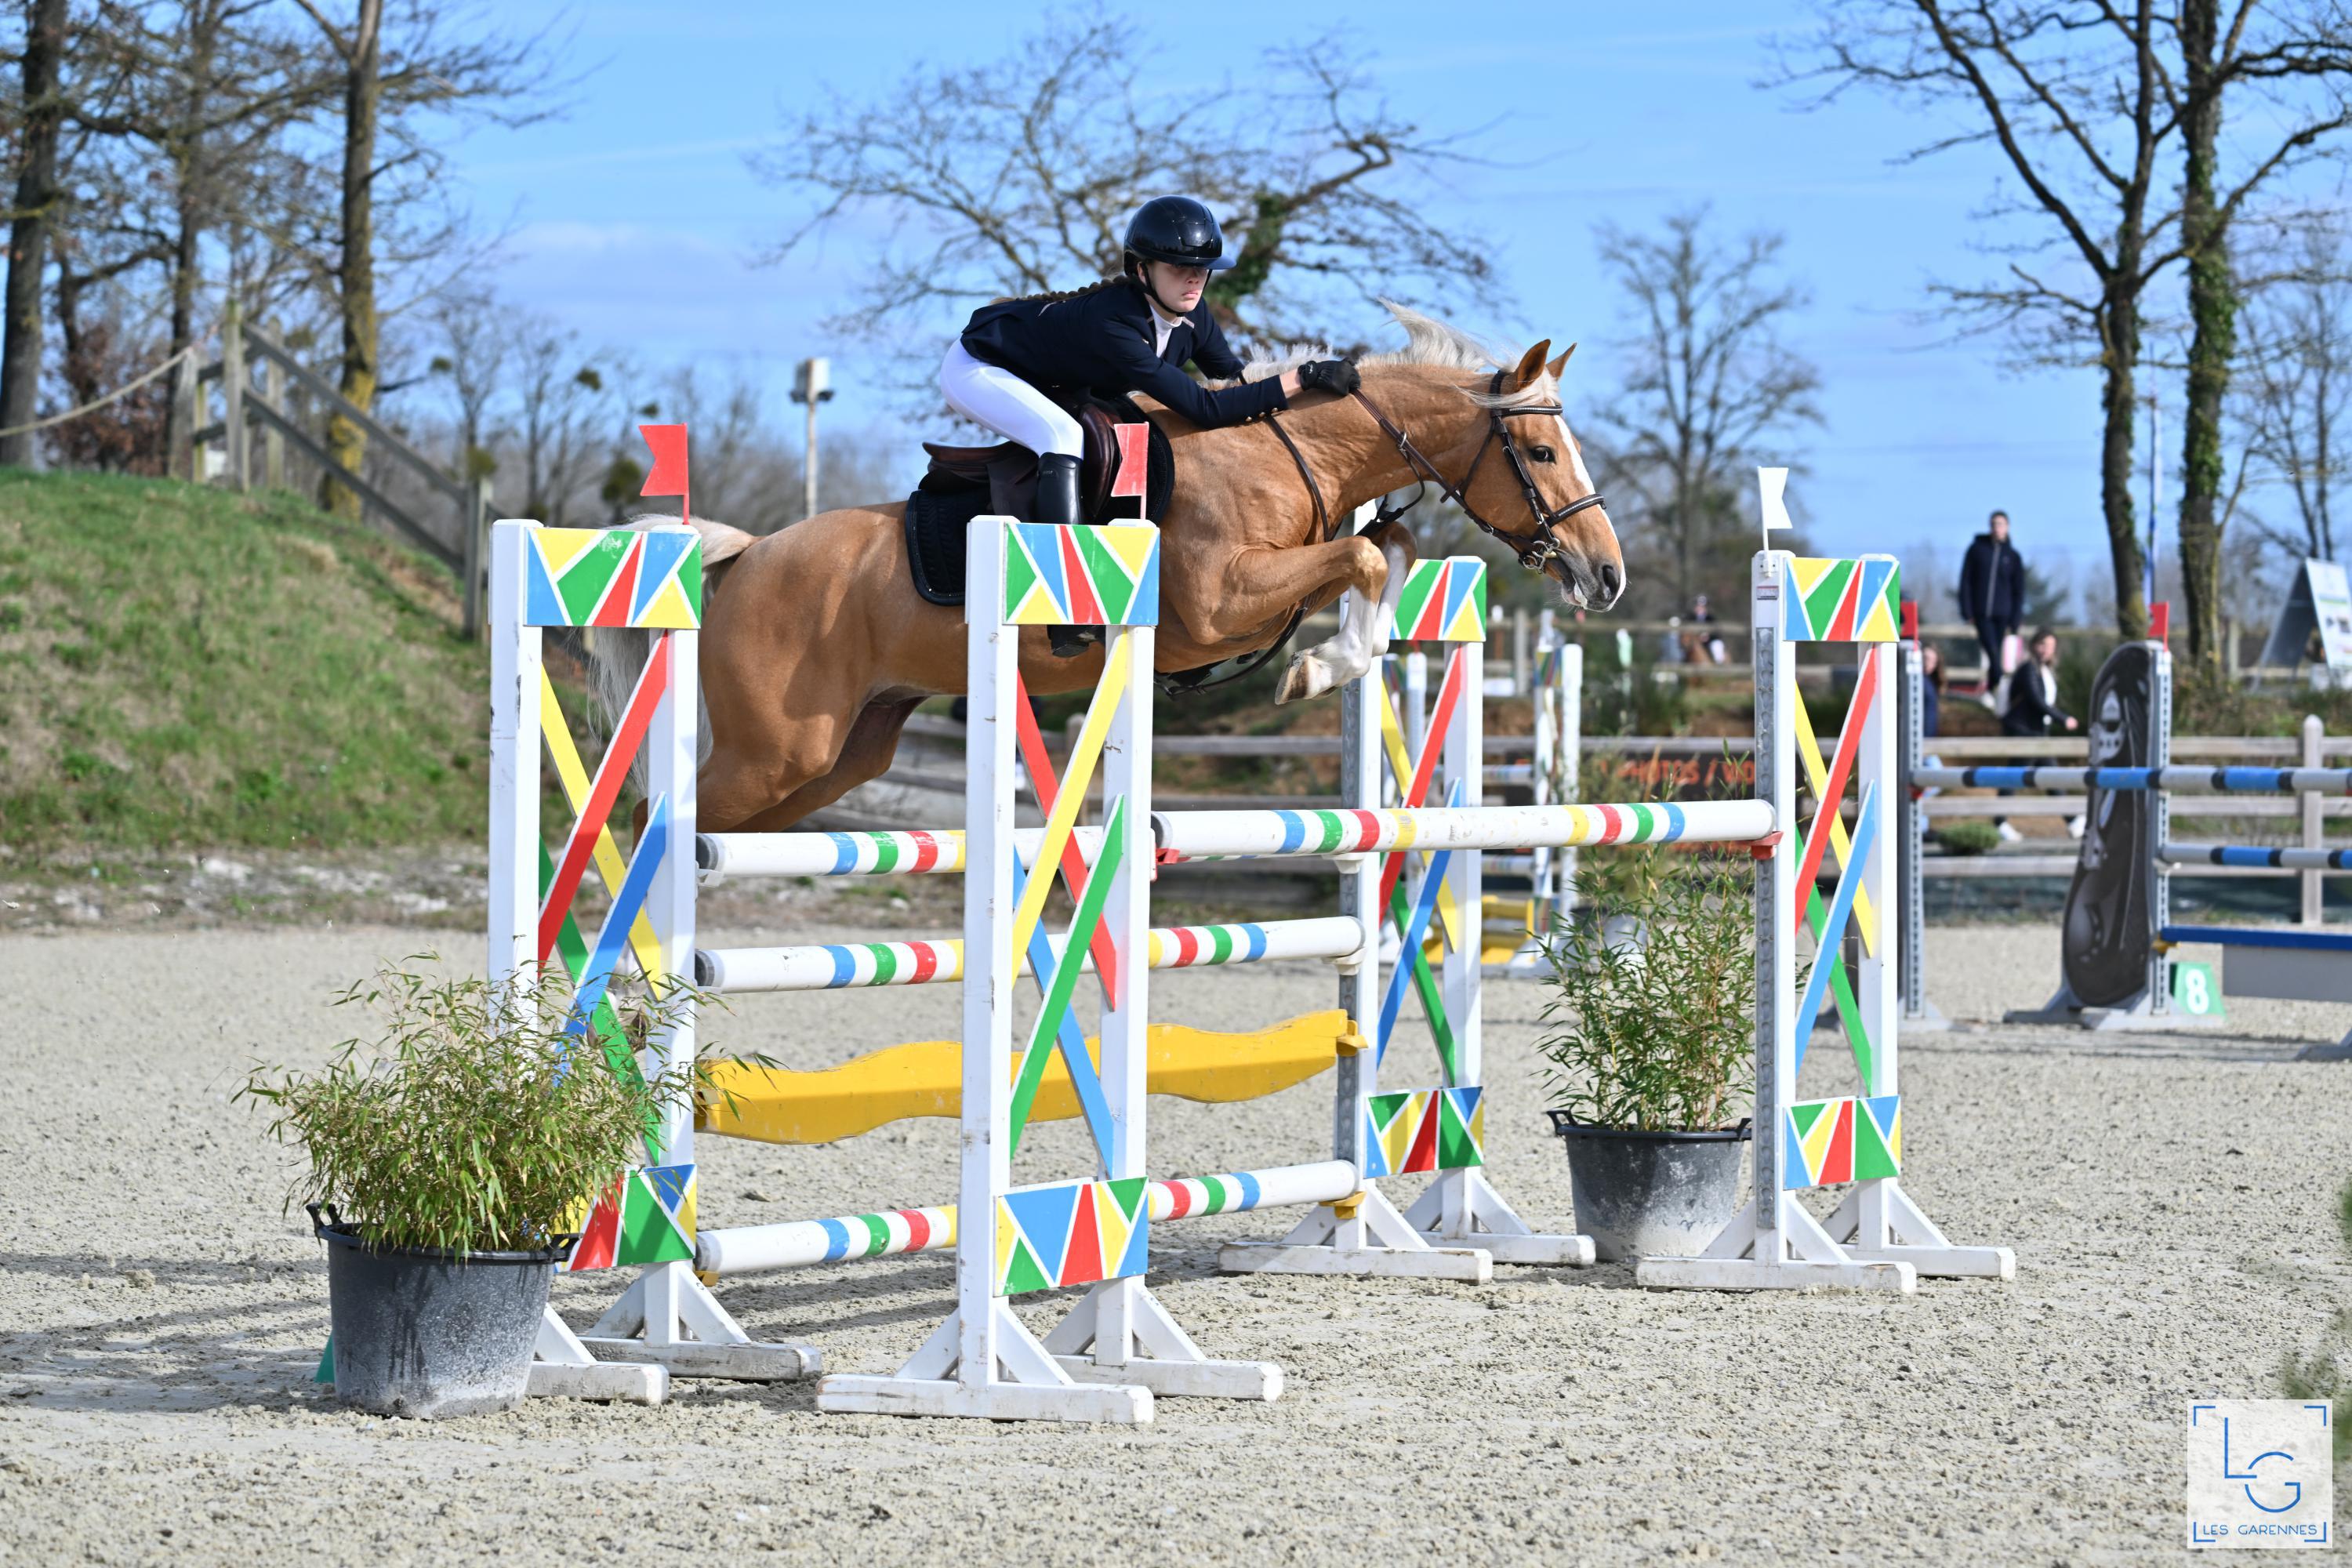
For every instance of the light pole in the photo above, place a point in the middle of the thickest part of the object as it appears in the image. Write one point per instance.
(812, 384)
(2155, 469)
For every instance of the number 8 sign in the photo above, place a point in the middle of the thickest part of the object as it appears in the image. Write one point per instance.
(2197, 989)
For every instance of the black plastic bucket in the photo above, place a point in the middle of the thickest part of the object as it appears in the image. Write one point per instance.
(1651, 1194)
(427, 1332)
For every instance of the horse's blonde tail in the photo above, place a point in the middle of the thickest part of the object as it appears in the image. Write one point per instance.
(617, 661)
(617, 656)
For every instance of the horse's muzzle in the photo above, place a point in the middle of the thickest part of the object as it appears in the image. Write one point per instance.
(1585, 585)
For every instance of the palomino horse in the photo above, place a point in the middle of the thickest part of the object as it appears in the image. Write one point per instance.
(816, 648)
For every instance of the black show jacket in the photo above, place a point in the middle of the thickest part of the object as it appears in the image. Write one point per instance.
(1101, 340)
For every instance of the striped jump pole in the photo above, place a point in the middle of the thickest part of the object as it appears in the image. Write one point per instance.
(836, 966)
(2253, 855)
(801, 1244)
(1225, 835)
(891, 853)
(2175, 779)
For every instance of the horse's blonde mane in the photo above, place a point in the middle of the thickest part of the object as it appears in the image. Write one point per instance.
(1427, 341)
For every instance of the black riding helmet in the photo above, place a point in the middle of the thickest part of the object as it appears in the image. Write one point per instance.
(1179, 231)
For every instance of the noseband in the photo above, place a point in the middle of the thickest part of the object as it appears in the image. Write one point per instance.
(1535, 550)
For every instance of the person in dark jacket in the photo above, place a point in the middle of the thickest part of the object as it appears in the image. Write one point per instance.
(1993, 591)
(2032, 707)
(2034, 691)
(1127, 334)
(1931, 691)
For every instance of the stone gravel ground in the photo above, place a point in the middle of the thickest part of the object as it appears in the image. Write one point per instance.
(2169, 1200)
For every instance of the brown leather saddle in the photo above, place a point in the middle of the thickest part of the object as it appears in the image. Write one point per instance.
(965, 482)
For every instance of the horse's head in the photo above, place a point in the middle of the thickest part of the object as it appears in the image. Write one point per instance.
(1526, 483)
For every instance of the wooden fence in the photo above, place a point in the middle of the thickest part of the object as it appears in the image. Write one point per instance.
(255, 375)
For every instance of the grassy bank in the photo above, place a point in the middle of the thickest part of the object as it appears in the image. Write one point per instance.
(180, 666)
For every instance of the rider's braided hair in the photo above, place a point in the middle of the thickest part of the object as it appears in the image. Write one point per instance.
(1055, 296)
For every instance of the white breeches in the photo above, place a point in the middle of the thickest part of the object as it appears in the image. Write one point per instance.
(1007, 405)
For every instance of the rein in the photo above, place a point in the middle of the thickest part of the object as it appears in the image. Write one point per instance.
(1251, 663)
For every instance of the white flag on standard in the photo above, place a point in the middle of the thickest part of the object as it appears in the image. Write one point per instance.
(1771, 485)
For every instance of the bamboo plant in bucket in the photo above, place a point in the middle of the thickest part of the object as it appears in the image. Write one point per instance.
(448, 1160)
(1648, 1049)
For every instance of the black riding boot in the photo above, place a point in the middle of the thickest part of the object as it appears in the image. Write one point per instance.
(1058, 503)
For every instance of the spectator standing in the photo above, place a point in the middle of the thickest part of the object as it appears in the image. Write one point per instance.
(1993, 592)
(2032, 707)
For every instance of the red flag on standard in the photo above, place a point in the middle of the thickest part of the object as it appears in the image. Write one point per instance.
(668, 477)
(1134, 459)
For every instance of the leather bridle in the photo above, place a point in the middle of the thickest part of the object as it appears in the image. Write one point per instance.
(1537, 550)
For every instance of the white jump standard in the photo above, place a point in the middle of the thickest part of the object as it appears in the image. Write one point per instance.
(1119, 1346)
(1878, 1238)
(649, 581)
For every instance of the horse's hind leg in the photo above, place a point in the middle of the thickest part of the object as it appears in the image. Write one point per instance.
(1350, 652)
(864, 755)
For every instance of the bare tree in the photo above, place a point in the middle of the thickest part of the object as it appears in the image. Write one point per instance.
(1018, 176)
(2071, 94)
(2296, 68)
(559, 397)
(474, 345)
(406, 74)
(2080, 99)
(2292, 402)
(197, 142)
(1712, 390)
(43, 111)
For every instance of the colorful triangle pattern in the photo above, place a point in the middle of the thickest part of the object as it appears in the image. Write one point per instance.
(1424, 1130)
(1855, 600)
(1442, 601)
(649, 579)
(1857, 1138)
(1081, 576)
(646, 1215)
(1072, 1233)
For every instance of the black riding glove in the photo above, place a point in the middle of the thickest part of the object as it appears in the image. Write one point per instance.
(1334, 375)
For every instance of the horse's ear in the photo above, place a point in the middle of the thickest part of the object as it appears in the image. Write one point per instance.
(1556, 366)
(1531, 366)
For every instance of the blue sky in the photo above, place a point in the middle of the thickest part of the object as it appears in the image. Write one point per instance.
(639, 224)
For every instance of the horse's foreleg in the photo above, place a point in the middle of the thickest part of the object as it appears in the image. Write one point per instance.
(1350, 652)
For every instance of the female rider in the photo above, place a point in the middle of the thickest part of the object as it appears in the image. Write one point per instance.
(1126, 334)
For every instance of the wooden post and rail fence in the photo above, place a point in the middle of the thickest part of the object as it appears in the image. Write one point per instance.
(248, 403)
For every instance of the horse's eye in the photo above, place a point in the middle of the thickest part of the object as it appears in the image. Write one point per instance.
(1540, 454)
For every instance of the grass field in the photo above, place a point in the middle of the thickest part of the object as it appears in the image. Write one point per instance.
(180, 666)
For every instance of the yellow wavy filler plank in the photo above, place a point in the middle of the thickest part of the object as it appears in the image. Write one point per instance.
(773, 1105)
(574, 777)
(1817, 772)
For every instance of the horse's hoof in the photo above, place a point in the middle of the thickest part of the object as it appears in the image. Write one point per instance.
(1306, 676)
